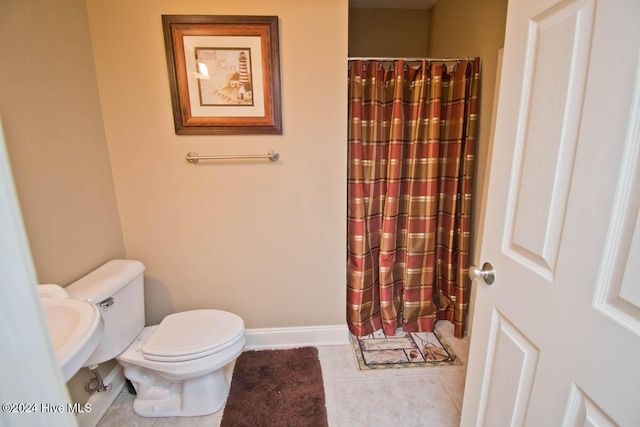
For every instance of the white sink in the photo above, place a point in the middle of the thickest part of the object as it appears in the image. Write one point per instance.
(75, 328)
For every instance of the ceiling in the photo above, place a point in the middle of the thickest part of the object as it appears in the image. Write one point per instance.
(392, 4)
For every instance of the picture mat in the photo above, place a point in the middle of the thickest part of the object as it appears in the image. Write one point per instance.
(252, 43)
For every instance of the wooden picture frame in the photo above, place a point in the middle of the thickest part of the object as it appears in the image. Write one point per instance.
(224, 74)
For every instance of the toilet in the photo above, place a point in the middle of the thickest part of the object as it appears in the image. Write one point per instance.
(176, 366)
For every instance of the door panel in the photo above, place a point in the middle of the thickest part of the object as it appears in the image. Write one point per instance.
(582, 411)
(506, 393)
(618, 293)
(557, 44)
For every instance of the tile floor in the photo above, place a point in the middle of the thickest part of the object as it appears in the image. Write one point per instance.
(407, 397)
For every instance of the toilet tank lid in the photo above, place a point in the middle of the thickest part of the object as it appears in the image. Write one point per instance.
(105, 281)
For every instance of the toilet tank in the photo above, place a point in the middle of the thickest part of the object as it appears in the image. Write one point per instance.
(117, 288)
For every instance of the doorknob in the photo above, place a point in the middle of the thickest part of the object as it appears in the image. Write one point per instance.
(487, 273)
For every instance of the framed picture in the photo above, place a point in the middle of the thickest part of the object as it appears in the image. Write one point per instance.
(224, 74)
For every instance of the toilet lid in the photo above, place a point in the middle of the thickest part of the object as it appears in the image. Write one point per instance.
(193, 334)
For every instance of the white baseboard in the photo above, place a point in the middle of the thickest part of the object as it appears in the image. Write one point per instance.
(280, 338)
(101, 402)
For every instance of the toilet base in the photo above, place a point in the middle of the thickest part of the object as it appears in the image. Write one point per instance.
(161, 397)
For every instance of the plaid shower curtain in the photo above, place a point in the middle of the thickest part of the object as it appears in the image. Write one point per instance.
(412, 132)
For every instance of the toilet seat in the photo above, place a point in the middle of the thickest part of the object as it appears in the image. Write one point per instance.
(192, 335)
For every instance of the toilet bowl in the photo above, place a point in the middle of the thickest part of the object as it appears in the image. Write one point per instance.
(177, 366)
(183, 356)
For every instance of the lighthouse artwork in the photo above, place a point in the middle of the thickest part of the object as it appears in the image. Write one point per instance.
(224, 76)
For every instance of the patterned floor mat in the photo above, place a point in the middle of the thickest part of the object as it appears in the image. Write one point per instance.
(403, 350)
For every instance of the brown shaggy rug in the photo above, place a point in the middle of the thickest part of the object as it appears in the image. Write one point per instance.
(276, 388)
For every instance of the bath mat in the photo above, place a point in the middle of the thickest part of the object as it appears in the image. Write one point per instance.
(403, 350)
(276, 388)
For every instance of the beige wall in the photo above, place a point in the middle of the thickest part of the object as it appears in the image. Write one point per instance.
(55, 137)
(388, 32)
(472, 28)
(264, 240)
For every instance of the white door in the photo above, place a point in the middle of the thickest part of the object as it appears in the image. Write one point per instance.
(556, 337)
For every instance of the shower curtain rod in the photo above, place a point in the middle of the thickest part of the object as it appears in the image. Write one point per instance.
(384, 59)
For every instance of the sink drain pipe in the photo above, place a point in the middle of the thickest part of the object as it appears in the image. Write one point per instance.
(96, 384)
